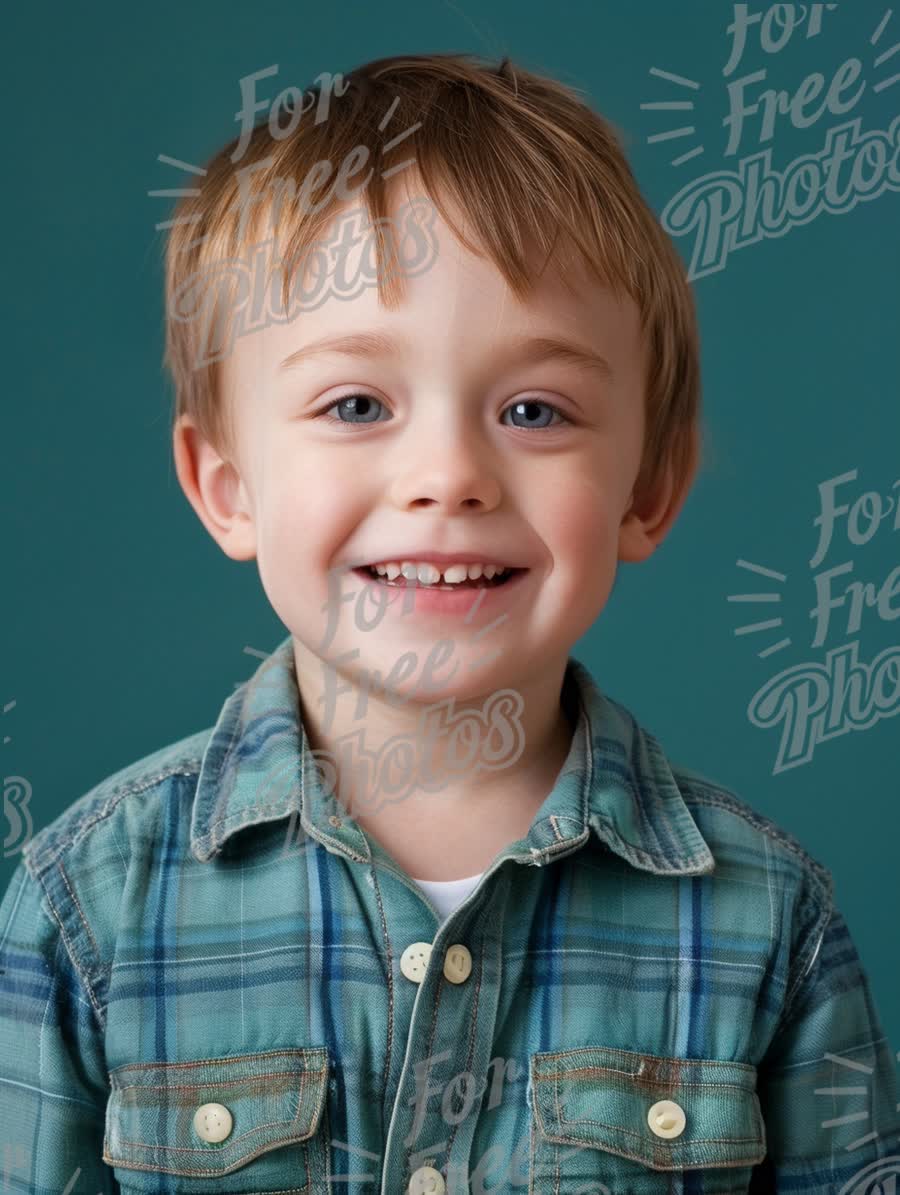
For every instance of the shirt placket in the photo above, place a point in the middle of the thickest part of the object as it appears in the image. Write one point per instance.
(447, 1039)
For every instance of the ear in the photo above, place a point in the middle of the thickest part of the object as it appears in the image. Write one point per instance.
(214, 488)
(648, 520)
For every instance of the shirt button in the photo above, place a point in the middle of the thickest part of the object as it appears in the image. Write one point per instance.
(666, 1118)
(426, 1181)
(457, 964)
(212, 1122)
(414, 962)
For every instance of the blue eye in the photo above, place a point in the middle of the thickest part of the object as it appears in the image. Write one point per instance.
(364, 405)
(529, 406)
(355, 404)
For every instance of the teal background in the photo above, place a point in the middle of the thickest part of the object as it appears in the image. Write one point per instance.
(126, 627)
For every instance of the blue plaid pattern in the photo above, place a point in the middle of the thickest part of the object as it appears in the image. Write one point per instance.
(203, 988)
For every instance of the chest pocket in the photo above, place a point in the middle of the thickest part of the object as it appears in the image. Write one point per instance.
(608, 1121)
(244, 1123)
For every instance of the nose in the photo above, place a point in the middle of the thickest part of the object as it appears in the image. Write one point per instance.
(455, 486)
(450, 466)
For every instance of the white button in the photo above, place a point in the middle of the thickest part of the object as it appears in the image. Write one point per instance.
(426, 1181)
(457, 964)
(666, 1118)
(414, 961)
(213, 1122)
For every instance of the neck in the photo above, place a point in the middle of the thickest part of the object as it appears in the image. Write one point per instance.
(397, 765)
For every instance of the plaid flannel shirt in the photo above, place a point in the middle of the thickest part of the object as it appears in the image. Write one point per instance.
(213, 981)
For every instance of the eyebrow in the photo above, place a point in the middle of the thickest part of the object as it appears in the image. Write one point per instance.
(526, 350)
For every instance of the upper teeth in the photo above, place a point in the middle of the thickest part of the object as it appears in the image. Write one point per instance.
(429, 574)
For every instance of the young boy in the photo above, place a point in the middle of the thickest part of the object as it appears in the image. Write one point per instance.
(427, 910)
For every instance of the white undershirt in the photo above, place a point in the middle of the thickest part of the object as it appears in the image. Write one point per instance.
(446, 895)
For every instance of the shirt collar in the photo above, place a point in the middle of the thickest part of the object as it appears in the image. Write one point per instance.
(616, 783)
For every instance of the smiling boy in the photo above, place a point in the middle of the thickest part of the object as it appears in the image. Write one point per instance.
(465, 423)
(518, 948)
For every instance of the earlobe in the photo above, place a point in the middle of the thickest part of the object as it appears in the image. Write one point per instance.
(648, 520)
(645, 523)
(635, 544)
(214, 489)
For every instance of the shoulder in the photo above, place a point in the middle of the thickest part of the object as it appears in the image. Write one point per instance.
(727, 820)
(136, 785)
(745, 844)
(745, 840)
(84, 867)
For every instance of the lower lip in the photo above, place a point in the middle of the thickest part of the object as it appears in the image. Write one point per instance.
(420, 599)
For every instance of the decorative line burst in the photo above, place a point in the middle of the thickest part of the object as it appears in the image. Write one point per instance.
(681, 105)
(873, 40)
(257, 654)
(769, 624)
(9, 705)
(192, 169)
(851, 1116)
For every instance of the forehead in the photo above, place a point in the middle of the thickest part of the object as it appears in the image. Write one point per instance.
(455, 308)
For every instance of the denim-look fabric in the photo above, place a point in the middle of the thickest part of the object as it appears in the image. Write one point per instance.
(205, 930)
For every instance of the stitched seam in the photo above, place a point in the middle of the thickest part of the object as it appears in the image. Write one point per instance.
(110, 1161)
(554, 822)
(199, 1149)
(787, 1007)
(269, 1144)
(237, 821)
(76, 963)
(819, 874)
(238, 722)
(317, 1113)
(672, 1060)
(276, 806)
(389, 969)
(682, 1086)
(224, 1080)
(770, 831)
(86, 823)
(474, 1018)
(640, 1138)
(615, 1051)
(303, 1078)
(662, 1143)
(564, 847)
(78, 909)
(663, 801)
(648, 856)
(559, 1117)
(127, 1066)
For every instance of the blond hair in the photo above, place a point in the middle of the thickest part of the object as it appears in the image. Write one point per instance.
(527, 161)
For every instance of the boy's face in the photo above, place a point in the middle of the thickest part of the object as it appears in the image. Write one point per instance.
(441, 457)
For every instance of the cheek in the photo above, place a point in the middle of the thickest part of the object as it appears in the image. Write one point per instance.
(577, 515)
(305, 514)
(578, 520)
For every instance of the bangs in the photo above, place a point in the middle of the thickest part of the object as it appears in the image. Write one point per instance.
(521, 170)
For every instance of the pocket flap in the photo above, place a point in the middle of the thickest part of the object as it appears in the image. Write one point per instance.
(271, 1099)
(602, 1097)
